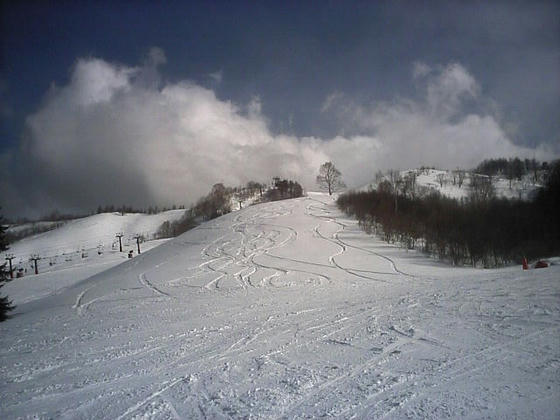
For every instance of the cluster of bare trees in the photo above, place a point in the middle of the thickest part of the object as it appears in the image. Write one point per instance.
(171, 229)
(33, 229)
(219, 201)
(215, 204)
(481, 188)
(283, 189)
(124, 209)
(481, 230)
(251, 190)
(513, 168)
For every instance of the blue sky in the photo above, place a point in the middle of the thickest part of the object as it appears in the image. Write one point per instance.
(318, 69)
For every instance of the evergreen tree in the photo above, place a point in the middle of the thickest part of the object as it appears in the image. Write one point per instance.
(5, 304)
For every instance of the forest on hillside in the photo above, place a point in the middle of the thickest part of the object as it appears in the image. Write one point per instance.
(220, 199)
(481, 231)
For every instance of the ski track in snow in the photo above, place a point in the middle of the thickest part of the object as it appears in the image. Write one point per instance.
(143, 279)
(287, 310)
(346, 245)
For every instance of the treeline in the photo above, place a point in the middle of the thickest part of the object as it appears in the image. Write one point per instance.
(171, 229)
(512, 168)
(57, 216)
(220, 199)
(283, 189)
(124, 209)
(53, 216)
(216, 203)
(481, 232)
(49, 221)
(34, 229)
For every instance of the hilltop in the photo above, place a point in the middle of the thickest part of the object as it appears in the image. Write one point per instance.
(457, 183)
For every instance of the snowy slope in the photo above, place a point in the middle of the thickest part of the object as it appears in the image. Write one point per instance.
(429, 180)
(43, 225)
(287, 310)
(77, 250)
(90, 232)
(59, 272)
(58, 247)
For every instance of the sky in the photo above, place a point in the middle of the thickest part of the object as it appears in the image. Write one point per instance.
(143, 103)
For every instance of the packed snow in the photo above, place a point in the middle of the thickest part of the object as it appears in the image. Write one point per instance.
(93, 232)
(78, 249)
(286, 310)
(59, 272)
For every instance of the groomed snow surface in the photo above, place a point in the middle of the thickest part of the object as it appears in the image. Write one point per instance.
(91, 233)
(286, 310)
(79, 249)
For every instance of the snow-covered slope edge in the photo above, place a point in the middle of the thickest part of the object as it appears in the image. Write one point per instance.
(287, 309)
(455, 184)
(77, 250)
(92, 232)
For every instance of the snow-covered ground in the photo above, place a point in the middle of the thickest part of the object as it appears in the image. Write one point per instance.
(86, 237)
(446, 183)
(92, 232)
(66, 271)
(79, 249)
(286, 310)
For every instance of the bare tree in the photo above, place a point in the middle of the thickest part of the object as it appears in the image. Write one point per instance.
(215, 204)
(395, 180)
(458, 177)
(461, 174)
(253, 187)
(409, 184)
(481, 188)
(330, 178)
(379, 177)
(441, 179)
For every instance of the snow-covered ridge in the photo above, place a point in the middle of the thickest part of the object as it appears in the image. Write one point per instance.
(92, 232)
(455, 184)
(43, 225)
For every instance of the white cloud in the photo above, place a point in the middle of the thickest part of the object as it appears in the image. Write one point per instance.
(217, 76)
(420, 69)
(440, 129)
(128, 143)
(108, 137)
(448, 89)
(331, 100)
(95, 81)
